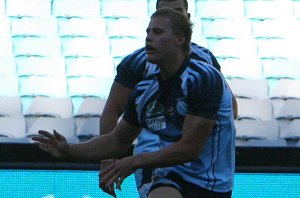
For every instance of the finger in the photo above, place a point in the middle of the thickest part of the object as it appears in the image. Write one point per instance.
(45, 133)
(58, 135)
(119, 182)
(109, 190)
(106, 170)
(41, 139)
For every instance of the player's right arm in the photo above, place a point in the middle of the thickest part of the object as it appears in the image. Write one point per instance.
(129, 72)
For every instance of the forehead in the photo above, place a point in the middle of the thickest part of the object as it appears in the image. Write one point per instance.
(172, 4)
(161, 22)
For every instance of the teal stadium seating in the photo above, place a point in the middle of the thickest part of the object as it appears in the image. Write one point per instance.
(70, 49)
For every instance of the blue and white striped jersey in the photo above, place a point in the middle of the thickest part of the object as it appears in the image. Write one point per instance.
(160, 107)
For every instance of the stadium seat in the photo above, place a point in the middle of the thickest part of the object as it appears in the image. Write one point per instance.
(76, 8)
(281, 68)
(7, 66)
(87, 127)
(273, 48)
(6, 44)
(90, 66)
(64, 126)
(9, 85)
(119, 27)
(10, 106)
(89, 86)
(85, 46)
(90, 106)
(36, 46)
(12, 126)
(285, 89)
(290, 109)
(34, 26)
(249, 88)
(74, 26)
(4, 26)
(219, 9)
(257, 129)
(132, 43)
(276, 28)
(53, 86)
(121, 8)
(32, 8)
(268, 9)
(233, 48)
(257, 109)
(226, 28)
(251, 67)
(292, 132)
(50, 106)
(40, 66)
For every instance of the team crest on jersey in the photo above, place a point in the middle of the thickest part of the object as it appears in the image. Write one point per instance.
(155, 116)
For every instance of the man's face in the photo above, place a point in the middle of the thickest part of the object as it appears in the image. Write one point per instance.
(176, 5)
(160, 41)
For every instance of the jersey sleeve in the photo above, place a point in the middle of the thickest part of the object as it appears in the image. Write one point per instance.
(200, 53)
(130, 114)
(204, 91)
(131, 69)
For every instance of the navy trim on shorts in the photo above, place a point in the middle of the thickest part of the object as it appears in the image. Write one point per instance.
(189, 190)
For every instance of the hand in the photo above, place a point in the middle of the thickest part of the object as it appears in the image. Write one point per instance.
(110, 189)
(54, 144)
(117, 172)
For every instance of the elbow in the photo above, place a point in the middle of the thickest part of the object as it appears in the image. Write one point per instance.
(191, 155)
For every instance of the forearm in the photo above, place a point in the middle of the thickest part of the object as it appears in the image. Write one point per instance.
(108, 122)
(98, 148)
(172, 155)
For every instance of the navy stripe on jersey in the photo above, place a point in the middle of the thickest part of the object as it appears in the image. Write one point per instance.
(205, 84)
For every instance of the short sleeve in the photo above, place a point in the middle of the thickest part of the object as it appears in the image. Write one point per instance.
(130, 114)
(131, 69)
(204, 91)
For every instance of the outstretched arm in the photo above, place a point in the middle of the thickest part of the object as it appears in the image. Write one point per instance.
(98, 148)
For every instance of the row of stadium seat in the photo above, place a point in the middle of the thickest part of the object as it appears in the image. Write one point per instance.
(119, 8)
(281, 132)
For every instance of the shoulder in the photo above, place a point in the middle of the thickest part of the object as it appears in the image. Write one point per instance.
(199, 50)
(135, 57)
(204, 74)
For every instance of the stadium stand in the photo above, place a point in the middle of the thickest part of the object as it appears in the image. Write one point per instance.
(55, 50)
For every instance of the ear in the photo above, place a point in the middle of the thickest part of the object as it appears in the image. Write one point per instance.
(181, 39)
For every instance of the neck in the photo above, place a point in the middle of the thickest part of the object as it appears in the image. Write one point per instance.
(171, 65)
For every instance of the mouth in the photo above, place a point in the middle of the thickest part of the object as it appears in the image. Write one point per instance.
(149, 49)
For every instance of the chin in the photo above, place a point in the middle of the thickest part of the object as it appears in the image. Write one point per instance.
(151, 59)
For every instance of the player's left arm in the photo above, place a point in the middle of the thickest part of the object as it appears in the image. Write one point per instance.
(196, 130)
